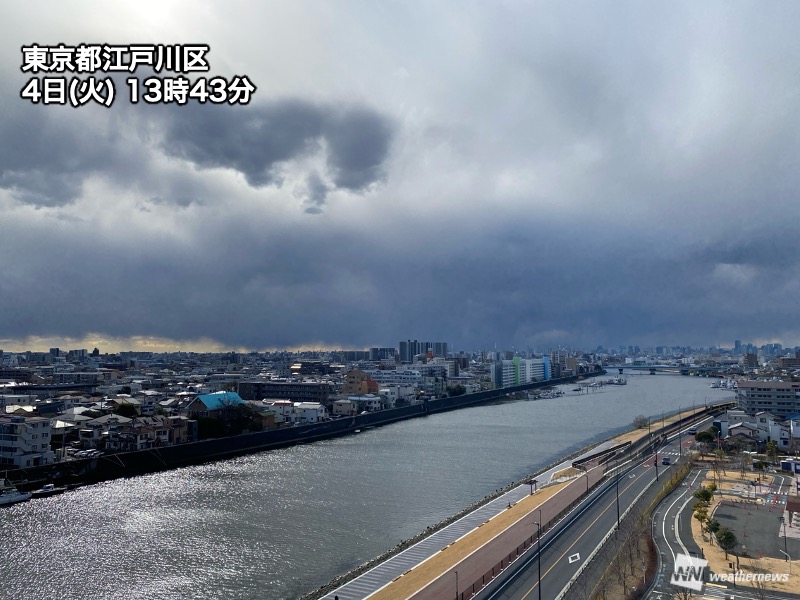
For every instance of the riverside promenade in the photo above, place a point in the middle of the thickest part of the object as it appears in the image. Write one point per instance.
(469, 552)
(424, 569)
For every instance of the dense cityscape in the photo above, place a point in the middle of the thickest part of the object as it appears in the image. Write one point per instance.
(92, 402)
(68, 413)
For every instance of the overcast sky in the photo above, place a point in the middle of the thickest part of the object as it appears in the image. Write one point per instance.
(531, 174)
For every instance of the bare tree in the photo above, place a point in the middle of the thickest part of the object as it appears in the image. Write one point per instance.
(619, 567)
(681, 593)
(759, 585)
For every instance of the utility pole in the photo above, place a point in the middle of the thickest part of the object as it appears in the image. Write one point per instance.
(617, 485)
(539, 551)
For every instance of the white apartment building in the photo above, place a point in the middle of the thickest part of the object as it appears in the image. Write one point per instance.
(393, 393)
(397, 377)
(780, 398)
(25, 441)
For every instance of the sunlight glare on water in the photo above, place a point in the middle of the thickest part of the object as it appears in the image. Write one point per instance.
(278, 524)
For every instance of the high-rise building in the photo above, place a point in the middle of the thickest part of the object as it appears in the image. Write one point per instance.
(411, 348)
(376, 354)
(750, 361)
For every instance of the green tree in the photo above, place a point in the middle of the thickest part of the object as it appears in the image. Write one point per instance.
(456, 390)
(700, 511)
(126, 409)
(705, 496)
(712, 527)
(727, 540)
(772, 450)
(705, 437)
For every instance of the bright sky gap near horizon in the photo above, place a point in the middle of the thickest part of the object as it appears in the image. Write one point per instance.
(527, 174)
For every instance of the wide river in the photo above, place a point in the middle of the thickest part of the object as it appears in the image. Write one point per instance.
(281, 523)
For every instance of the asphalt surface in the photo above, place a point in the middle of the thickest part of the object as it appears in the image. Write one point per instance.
(671, 524)
(562, 559)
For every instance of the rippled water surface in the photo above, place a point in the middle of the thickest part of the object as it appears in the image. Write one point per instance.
(281, 523)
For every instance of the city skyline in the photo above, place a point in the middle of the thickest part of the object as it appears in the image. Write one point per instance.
(527, 176)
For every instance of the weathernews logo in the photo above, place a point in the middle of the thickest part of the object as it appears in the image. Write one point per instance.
(689, 571)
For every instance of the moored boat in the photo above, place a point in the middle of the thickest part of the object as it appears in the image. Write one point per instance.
(11, 495)
(48, 489)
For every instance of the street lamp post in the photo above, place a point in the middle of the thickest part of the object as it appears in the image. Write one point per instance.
(586, 471)
(655, 464)
(456, 572)
(680, 432)
(539, 551)
(617, 486)
(785, 548)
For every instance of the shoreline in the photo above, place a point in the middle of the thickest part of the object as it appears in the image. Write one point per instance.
(340, 580)
(142, 462)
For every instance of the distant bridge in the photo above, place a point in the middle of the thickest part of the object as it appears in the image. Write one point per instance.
(682, 369)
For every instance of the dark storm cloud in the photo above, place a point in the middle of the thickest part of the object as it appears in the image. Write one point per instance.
(358, 142)
(258, 140)
(621, 174)
(46, 154)
(317, 193)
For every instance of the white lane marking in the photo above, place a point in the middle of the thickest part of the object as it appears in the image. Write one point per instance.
(677, 525)
(664, 522)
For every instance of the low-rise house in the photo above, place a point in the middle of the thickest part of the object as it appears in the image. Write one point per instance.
(285, 408)
(211, 405)
(266, 415)
(743, 434)
(169, 406)
(367, 402)
(310, 412)
(149, 432)
(345, 408)
(394, 394)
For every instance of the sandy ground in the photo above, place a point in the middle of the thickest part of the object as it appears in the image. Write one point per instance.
(568, 472)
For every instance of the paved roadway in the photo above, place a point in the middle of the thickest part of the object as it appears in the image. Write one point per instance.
(672, 533)
(384, 573)
(563, 557)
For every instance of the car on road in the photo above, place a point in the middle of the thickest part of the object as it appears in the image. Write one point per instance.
(692, 431)
(665, 461)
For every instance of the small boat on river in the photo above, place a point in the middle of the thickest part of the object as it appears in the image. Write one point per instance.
(49, 489)
(11, 495)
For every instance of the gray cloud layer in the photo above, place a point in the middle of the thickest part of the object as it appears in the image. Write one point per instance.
(256, 141)
(481, 174)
